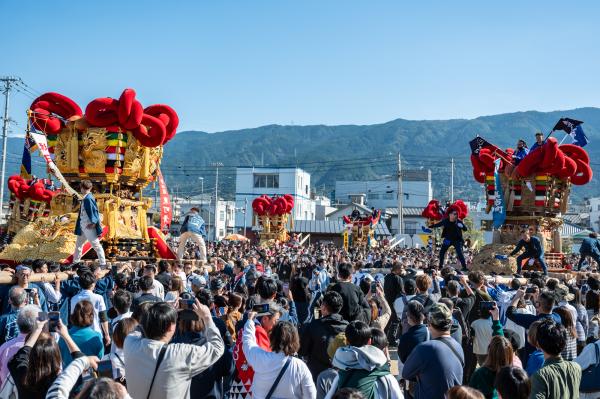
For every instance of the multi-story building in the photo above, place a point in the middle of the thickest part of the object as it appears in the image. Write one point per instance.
(416, 188)
(594, 211)
(252, 182)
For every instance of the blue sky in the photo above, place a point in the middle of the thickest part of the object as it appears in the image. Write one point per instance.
(235, 64)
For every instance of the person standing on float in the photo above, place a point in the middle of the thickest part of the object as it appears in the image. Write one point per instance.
(192, 228)
(88, 227)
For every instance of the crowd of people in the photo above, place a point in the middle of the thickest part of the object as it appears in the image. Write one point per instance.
(292, 321)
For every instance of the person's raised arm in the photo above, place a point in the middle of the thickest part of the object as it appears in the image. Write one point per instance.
(520, 245)
(496, 325)
(203, 356)
(64, 383)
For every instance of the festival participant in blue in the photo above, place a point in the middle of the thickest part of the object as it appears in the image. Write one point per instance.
(534, 250)
(88, 227)
(320, 278)
(192, 228)
(521, 152)
(453, 237)
(539, 141)
(589, 247)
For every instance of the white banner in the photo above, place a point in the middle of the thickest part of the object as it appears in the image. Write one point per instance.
(42, 144)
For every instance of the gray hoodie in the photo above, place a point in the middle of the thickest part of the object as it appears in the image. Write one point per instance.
(365, 358)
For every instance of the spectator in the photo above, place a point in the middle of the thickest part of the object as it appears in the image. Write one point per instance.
(233, 316)
(175, 364)
(27, 323)
(36, 365)
(483, 329)
(438, 363)
(122, 329)
(299, 288)
(176, 289)
(558, 378)
(87, 282)
(462, 392)
(355, 305)
(164, 274)
(393, 288)
(570, 350)
(410, 289)
(158, 290)
(51, 291)
(146, 284)
(512, 383)
(363, 366)
(317, 334)
(326, 378)
(17, 298)
(417, 332)
(589, 361)
(277, 373)
(500, 354)
(83, 334)
(122, 303)
(348, 393)
(535, 360)
(380, 309)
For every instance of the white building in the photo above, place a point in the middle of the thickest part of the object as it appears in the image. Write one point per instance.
(381, 194)
(594, 210)
(252, 182)
(217, 228)
(322, 207)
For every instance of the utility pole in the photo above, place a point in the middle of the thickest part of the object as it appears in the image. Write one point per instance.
(8, 81)
(245, 212)
(400, 197)
(452, 180)
(216, 165)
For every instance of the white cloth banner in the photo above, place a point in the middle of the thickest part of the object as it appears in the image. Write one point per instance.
(42, 144)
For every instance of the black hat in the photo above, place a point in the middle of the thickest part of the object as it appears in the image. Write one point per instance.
(216, 284)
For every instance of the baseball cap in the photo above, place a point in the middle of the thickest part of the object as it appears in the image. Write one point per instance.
(440, 316)
(216, 284)
(198, 281)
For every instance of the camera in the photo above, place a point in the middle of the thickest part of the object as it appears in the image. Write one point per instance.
(263, 308)
(53, 320)
(487, 305)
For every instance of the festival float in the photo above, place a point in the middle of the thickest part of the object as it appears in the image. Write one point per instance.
(117, 144)
(532, 194)
(360, 230)
(272, 215)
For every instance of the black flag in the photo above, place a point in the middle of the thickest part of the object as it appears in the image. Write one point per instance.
(478, 143)
(567, 125)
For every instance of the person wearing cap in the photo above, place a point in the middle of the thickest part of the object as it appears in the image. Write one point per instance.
(217, 286)
(534, 250)
(437, 364)
(521, 152)
(192, 228)
(88, 227)
(197, 283)
(539, 141)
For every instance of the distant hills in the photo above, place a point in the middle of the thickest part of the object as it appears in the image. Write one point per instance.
(346, 152)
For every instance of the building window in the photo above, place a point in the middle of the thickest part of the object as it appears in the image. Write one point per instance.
(410, 228)
(306, 189)
(387, 196)
(221, 233)
(222, 216)
(372, 196)
(266, 181)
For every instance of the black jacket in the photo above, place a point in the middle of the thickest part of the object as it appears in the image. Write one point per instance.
(393, 287)
(355, 306)
(315, 338)
(451, 230)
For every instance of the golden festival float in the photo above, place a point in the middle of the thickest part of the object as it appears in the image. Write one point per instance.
(272, 216)
(528, 193)
(117, 145)
(359, 231)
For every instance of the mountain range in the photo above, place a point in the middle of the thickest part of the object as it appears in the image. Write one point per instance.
(356, 152)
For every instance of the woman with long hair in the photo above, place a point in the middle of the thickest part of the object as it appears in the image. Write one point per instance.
(37, 364)
(296, 381)
(500, 354)
(570, 351)
(512, 383)
(582, 322)
(175, 289)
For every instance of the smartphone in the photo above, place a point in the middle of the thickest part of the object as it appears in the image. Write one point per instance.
(105, 369)
(286, 288)
(187, 303)
(29, 291)
(42, 316)
(264, 308)
(374, 285)
(487, 305)
(531, 290)
(53, 319)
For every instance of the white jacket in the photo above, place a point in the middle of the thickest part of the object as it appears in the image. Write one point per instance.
(296, 382)
(180, 364)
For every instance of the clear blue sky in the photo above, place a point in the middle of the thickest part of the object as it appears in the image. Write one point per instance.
(235, 64)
